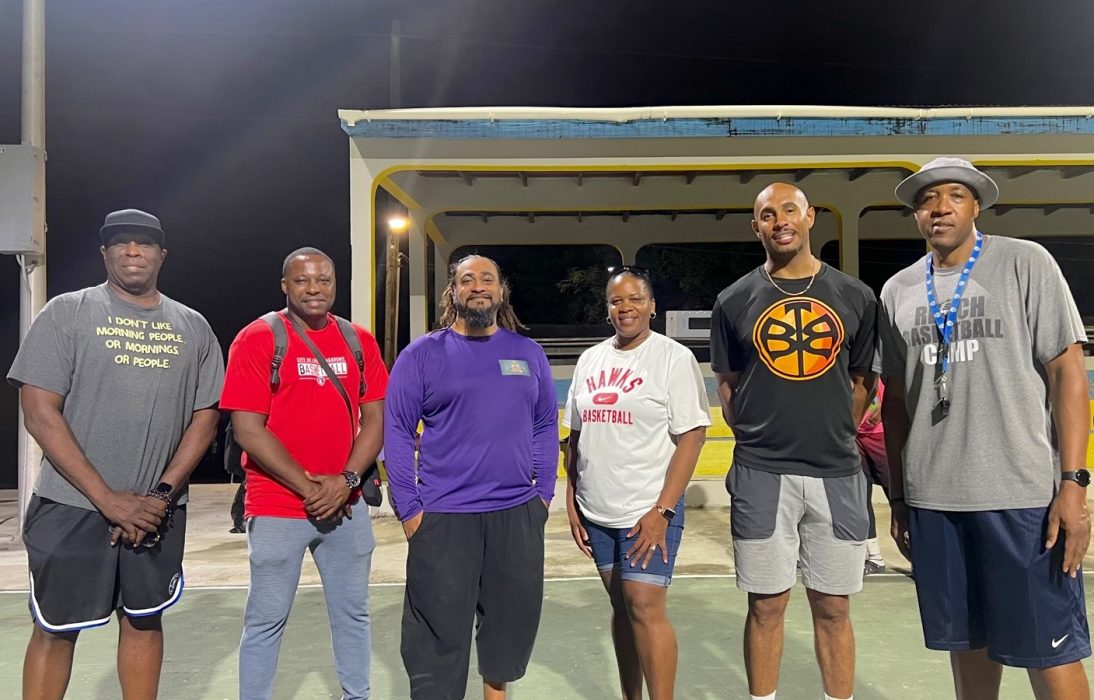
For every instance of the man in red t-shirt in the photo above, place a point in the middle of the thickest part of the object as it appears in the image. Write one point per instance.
(305, 449)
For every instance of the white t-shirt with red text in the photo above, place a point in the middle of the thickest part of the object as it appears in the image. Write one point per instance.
(628, 405)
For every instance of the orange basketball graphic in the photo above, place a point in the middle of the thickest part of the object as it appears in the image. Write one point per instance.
(798, 338)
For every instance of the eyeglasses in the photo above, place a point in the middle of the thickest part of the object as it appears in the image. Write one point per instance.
(630, 269)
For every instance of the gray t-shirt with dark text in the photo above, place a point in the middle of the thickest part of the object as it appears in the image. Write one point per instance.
(996, 448)
(131, 377)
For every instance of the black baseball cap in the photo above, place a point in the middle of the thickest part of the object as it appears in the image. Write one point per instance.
(131, 221)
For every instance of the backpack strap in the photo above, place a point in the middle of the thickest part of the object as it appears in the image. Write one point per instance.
(274, 320)
(349, 334)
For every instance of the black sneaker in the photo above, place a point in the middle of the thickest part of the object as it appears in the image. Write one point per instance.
(873, 567)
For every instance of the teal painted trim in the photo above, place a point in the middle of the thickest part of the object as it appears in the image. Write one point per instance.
(523, 129)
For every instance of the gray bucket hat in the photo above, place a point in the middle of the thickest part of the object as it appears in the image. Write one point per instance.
(131, 221)
(948, 170)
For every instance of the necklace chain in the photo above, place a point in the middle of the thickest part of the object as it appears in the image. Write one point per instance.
(792, 294)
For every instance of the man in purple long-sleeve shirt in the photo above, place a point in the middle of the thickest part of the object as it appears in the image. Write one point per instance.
(474, 503)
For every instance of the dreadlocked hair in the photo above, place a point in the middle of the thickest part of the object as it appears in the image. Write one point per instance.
(507, 317)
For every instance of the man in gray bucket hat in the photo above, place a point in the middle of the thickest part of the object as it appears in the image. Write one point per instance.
(986, 418)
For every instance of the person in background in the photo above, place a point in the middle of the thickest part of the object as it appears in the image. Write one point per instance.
(870, 440)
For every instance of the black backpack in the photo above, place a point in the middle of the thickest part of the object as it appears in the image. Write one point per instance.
(370, 481)
(281, 345)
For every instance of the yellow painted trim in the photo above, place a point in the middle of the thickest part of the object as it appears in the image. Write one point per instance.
(383, 178)
(515, 166)
(401, 195)
(1032, 160)
(434, 231)
(584, 210)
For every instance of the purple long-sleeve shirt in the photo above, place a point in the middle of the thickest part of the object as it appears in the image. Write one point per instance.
(490, 416)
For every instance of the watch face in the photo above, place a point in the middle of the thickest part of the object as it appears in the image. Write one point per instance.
(163, 487)
(1082, 477)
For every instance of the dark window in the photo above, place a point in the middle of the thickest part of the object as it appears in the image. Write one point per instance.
(1075, 256)
(689, 276)
(557, 290)
(881, 259)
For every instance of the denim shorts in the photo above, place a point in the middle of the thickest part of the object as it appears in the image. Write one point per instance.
(610, 546)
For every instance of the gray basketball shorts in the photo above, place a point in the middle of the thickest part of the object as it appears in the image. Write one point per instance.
(782, 521)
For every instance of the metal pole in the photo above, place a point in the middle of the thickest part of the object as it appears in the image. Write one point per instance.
(32, 272)
(395, 79)
(391, 298)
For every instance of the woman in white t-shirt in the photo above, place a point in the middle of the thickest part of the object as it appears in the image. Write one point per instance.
(637, 412)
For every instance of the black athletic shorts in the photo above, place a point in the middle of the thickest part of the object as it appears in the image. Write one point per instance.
(77, 580)
(464, 568)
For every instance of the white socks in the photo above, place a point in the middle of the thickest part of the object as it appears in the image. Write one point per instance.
(829, 697)
(763, 697)
(873, 549)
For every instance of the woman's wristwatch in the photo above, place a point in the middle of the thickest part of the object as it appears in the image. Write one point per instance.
(666, 513)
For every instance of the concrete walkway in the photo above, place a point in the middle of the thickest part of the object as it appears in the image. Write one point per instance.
(573, 657)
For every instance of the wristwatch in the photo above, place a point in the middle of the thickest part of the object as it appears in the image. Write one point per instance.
(163, 491)
(353, 479)
(1079, 476)
(666, 513)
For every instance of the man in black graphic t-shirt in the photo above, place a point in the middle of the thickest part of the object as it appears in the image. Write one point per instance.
(792, 344)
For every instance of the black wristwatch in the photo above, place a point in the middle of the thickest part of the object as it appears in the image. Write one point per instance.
(353, 479)
(666, 513)
(162, 491)
(1079, 476)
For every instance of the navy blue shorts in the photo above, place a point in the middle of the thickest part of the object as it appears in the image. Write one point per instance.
(611, 544)
(985, 580)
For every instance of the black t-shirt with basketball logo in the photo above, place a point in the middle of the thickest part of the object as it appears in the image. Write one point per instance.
(795, 353)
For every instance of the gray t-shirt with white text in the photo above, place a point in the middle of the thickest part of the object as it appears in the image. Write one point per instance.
(131, 378)
(996, 448)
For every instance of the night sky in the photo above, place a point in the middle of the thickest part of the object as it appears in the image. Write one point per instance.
(220, 117)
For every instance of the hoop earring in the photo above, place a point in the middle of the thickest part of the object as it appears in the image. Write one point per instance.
(653, 315)
(608, 320)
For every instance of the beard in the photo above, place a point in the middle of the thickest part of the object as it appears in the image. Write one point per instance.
(478, 318)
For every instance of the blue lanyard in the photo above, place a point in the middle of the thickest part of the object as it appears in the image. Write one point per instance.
(946, 323)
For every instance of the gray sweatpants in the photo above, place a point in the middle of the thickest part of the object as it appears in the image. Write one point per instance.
(343, 555)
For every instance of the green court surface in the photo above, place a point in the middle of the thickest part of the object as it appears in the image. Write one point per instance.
(572, 659)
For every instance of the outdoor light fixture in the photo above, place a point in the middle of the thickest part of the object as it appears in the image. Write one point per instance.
(398, 224)
(395, 226)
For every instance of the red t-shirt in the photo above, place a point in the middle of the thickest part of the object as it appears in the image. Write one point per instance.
(307, 413)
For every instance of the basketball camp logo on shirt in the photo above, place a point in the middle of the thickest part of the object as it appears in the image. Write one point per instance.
(798, 338)
(974, 327)
(309, 368)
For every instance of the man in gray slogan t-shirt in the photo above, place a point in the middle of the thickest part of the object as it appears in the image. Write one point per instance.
(119, 385)
(986, 416)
